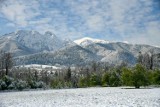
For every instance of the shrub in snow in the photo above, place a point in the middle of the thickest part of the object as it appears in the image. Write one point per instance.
(83, 82)
(114, 79)
(12, 85)
(20, 85)
(3, 85)
(33, 84)
(40, 84)
(57, 84)
(8, 80)
(139, 76)
(67, 85)
(95, 80)
(7, 83)
(156, 77)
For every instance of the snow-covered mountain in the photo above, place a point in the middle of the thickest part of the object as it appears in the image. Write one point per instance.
(28, 42)
(117, 52)
(70, 55)
(31, 47)
(87, 41)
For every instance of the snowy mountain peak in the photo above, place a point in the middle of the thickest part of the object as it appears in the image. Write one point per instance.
(87, 41)
(31, 47)
(32, 41)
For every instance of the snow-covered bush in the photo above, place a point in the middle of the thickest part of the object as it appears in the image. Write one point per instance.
(7, 83)
(8, 80)
(67, 85)
(20, 85)
(59, 85)
(3, 85)
(56, 84)
(40, 84)
(12, 85)
(33, 84)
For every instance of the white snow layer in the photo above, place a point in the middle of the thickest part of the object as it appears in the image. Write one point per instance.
(86, 41)
(40, 66)
(83, 97)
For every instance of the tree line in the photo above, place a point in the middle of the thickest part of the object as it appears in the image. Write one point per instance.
(95, 74)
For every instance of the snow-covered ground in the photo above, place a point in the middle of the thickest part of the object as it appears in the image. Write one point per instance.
(83, 97)
(38, 66)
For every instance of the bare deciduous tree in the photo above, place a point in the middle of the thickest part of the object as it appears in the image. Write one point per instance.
(6, 61)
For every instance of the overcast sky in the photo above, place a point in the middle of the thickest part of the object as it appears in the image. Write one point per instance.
(135, 21)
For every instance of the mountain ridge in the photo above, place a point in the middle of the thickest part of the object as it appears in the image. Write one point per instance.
(32, 47)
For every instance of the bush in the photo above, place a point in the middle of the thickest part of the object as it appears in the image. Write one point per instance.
(139, 76)
(32, 84)
(106, 79)
(40, 84)
(67, 85)
(12, 86)
(8, 80)
(7, 83)
(61, 84)
(156, 77)
(95, 80)
(126, 77)
(20, 85)
(114, 80)
(3, 85)
(83, 82)
(56, 84)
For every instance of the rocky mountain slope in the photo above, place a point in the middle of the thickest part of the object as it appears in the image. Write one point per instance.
(31, 47)
(28, 42)
(72, 55)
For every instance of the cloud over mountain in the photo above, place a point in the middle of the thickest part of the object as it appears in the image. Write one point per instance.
(135, 21)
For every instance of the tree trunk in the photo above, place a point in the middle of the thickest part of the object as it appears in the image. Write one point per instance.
(151, 62)
(6, 69)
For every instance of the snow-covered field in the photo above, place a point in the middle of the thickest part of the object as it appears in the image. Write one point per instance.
(83, 97)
